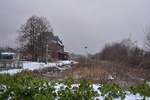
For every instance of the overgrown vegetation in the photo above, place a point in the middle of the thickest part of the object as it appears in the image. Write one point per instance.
(25, 86)
(143, 89)
(126, 52)
(82, 92)
(112, 90)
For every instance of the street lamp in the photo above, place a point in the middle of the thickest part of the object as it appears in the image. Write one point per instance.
(46, 53)
(86, 54)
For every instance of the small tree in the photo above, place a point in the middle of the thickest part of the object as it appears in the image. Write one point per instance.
(33, 36)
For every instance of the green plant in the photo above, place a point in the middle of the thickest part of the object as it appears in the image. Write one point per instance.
(83, 92)
(69, 82)
(112, 90)
(143, 89)
(25, 87)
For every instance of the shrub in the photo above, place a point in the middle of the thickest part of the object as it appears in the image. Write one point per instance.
(112, 90)
(24, 86)
(143, 89)
(84, 91)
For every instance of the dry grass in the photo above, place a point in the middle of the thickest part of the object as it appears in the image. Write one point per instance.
(98, 73)
(89, 72)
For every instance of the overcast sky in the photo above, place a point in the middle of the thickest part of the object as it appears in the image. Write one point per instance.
(79, 23)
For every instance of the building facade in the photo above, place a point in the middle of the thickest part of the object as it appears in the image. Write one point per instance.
(56, 49)
(53, 50)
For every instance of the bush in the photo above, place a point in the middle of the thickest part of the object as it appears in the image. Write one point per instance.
(126, 52)
(143, 89)
(25, 87)
(112, 90)
(84, 91)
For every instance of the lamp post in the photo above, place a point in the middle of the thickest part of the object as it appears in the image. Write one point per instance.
(86, 54)
(46, 53)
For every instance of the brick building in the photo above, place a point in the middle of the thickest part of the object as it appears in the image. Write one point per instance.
(54, 51)
(56, 48)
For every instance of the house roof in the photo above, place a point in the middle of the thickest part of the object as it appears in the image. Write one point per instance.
(54, 39)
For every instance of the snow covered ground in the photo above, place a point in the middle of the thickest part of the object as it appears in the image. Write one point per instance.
(96, 88)
(128, 96)
(36, 65)
(27, 65)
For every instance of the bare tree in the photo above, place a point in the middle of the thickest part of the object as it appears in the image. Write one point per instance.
(125, 51)
(33, 35)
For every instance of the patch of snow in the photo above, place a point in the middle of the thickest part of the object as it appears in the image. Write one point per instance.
(60, 86)
(133, 97)
(128, 96)
(99, 98)
(8, 53)
(110, 77)
(96, 88)
(3, 88)
(75, 85)
(28, 65)
(148, 83)
(32, 65)
(66, 62)
(60, 43)
(11, 71)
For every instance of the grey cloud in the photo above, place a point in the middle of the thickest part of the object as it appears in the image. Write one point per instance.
(79, 23)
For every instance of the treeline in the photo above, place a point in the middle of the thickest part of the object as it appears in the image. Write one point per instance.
(8, 49)
(125, 52)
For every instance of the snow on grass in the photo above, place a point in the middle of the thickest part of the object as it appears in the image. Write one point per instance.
(96, 88)
(28, 65)
(128, 96)
(32, 65)
(11, 71)
(59, 86)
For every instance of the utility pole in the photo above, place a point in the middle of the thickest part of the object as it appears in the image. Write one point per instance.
(46, 48)
(86, 54)
(46, 53)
